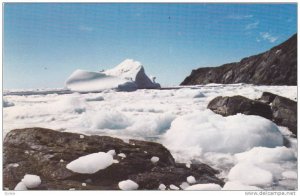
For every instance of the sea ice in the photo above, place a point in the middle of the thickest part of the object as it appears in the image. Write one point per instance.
(249, 174)
(20, 187)
(290, 174)
(128, 185)
(91, 163)
(154, 159)
(162, 187)
(204, 187)
(214, 133)
(239, 186)
(127, 76)
(31, 181)
(191, 180)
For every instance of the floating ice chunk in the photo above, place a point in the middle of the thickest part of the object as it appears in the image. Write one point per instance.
(83, 184)
(91, 163)
(162, 187)
(61, 160)
(20, 187)
(154, 159)
(267, 155)
(184, 185)
(239, 187)
(115, 161)
(81, 136)
(290, 174)
(111, 152)
(250, 174)
(214, 133)
(191, 179)
(122, 155)
(31, 181)
(128, 185)
(204, 187)
(173, 187)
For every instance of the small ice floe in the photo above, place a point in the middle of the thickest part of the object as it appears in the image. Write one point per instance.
(81, 136)
(184, 185)
(128, 185)
(91, 163)
(204, 187)
(20, 187)
(31, 181)
(122, 155)
(162, 187)
(154, 159)
(61, 160)
(72, 189)
(115, 161)
(13, 165)
(145, 152)
(191, 180)
(83, 184)
(173, 187)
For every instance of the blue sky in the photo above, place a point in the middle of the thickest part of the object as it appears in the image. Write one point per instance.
(45, 43)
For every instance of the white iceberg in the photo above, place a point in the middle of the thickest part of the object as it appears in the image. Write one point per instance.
(127, 76)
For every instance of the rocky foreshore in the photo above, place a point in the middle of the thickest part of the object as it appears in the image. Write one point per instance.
(46, 153)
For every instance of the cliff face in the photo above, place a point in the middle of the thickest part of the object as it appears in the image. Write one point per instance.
(277, 66)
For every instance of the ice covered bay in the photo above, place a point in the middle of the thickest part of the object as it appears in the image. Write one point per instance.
(172, 116)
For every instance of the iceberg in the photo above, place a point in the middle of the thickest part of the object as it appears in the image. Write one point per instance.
(127, 76)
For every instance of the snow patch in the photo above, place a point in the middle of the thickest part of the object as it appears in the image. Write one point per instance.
(91, 163)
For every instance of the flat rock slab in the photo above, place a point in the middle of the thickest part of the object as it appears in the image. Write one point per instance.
(46, 153)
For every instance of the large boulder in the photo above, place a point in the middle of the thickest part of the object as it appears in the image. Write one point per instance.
(285, 113)
(227, 106)
(280, 110)
(46, 153)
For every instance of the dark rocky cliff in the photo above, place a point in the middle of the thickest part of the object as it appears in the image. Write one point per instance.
(277, 66)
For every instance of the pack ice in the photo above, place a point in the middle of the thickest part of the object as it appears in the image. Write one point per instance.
(127, 76)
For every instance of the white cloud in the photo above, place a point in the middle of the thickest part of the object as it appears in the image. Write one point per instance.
(239, 17)
(85, 28)
(252, 25)
(268, 37)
